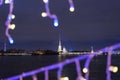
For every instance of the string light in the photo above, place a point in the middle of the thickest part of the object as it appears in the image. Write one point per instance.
(48, 14)
(44, 14)
(60, 66)
(64, 78)
(72, 9)
(109, 68)
(114, 69)
(53, 16)
(9, 20)
(13, 16)
(85, 70)
(56, 22)
(45, 1)
(12, 26)
(1, 2)
(7, 1)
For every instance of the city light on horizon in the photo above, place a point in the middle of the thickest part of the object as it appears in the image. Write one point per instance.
(71, 18)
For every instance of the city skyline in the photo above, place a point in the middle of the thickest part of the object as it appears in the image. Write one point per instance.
(94, 23)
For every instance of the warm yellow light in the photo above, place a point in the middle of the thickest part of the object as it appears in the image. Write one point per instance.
(85, 70)
(13, 16)
(72, 9)
(64, 78)
(7, 1)
(12, 26)
(44, 14)
(114, 69)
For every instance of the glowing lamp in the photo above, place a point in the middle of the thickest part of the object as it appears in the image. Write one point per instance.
(85, 70)
(12, 26)
(7, 1)
(55, 22)
(72, 9)
(11, 40)
(13, 16)
(64, 78)
(44, 14)
(114, 69)
(45, 1)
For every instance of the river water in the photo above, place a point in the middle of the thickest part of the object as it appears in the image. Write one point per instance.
(14, 65)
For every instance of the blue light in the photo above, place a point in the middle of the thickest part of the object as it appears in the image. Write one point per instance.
(9, 17)
(11, 40)
(55, 22)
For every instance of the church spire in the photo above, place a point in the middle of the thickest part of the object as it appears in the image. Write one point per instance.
(59, 46)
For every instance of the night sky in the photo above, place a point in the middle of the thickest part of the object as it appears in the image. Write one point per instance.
(94, 23)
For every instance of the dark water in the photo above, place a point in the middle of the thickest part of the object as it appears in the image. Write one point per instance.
(14, 65)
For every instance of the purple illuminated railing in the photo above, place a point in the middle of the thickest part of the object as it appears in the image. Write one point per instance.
(1, 2)
(75, 60)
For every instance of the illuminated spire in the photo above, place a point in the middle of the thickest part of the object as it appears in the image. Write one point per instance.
(92, 51)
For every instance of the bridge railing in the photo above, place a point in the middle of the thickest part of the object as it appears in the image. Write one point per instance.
(59, 66)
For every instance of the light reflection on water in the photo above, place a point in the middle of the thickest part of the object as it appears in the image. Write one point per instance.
(13, 65)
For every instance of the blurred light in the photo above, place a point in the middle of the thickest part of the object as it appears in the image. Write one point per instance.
(45, 1)
(12, 26)
(64, 78)
(55, 22)
(80, 78)
(13, 16)
(11, 40)
(34, 77)
(7, 1)
(64, 50)
(44, 14)
(114, 69)
(85, 70)
(72, 9)
(1, 2)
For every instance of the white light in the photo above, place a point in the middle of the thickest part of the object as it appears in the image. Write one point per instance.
(72, 9)
(44, 14)
(12, 26)
(7, 1)
(85, 70)
(13, 16)
(64, 50)
(55, 22)
(45, 1)
(64, 78)
(114, 69)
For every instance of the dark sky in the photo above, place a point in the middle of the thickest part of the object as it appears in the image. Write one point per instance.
(94, 23)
